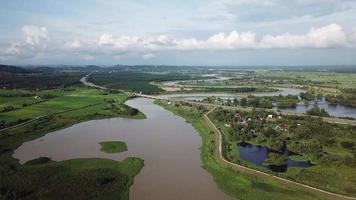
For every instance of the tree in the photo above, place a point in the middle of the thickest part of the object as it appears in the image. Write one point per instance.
(243, 101)
(318, 112)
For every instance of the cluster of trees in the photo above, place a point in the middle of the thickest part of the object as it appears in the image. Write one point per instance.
(308, 96)
(7, 109)
(316, 111)
(347, 98)
(256, 102)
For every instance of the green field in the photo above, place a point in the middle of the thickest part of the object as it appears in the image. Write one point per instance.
(323, 79)
(80, 99)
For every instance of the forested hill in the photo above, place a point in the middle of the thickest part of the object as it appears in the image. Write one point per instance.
(8, 69)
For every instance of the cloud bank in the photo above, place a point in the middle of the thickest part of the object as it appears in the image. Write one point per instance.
(36, 40)
(330, 36)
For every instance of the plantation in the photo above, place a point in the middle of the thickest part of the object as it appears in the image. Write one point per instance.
(135, 81)
(40, 81)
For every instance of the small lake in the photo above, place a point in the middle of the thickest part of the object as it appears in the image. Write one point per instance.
(259, 154)
(168, 145)
(335, 110)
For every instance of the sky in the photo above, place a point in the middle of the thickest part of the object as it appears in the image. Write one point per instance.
(178, 32)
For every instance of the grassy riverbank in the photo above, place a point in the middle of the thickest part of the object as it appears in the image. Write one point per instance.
(43, 178)
(242, 185)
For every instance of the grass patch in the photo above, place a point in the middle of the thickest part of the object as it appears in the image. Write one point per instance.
(73, 179)
(113, 147)
(298, 158)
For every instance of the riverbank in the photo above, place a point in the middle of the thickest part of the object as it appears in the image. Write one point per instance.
(240, 184)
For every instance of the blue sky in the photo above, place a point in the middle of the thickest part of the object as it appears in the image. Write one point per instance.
(176, 32)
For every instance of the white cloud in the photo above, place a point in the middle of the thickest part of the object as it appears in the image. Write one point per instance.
(148, 56)
(35, 35)
(74, 44)
(353, 35)
(329, 36)
(324, 37)
(36, 42)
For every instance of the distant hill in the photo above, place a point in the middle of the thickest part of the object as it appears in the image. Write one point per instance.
(8, 69)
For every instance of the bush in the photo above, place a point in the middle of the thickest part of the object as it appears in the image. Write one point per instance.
(318, 112)
(347, 145)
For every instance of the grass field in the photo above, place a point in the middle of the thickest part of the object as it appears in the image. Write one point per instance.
(240, 185)
(324, 79)
(77, 99)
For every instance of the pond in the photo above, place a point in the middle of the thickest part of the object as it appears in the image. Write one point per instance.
(168, 145)
(260, 155)
(333, 109)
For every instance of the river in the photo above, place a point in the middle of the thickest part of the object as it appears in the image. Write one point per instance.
(168, 145)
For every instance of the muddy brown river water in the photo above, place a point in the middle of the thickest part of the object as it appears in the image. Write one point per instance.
(168, 145)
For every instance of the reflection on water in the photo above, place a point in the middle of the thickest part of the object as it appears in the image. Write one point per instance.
(168, 145)
(259, 155)
(333, 109)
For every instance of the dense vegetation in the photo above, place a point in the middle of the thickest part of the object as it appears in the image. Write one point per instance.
(316, 111)
(70, 179)
(347, 97)
(329, 146)
(39, 81)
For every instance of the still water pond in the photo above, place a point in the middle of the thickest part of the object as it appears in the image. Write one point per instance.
(258, 155)
(168, 145)
(333, 109)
